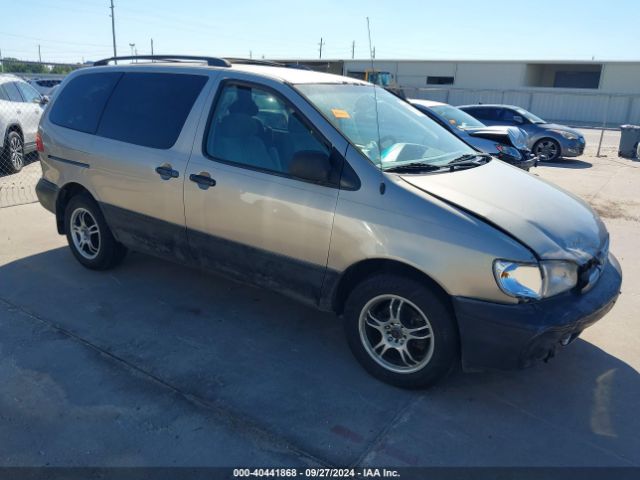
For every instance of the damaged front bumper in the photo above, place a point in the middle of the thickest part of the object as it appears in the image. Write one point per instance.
(500, 337)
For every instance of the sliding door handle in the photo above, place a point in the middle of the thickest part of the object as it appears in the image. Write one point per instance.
(166, 172)
(203, 180)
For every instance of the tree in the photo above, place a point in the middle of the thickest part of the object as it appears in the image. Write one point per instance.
(13, 65)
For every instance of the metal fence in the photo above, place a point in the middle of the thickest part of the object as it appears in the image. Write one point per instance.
(21, 107)
(563, 106)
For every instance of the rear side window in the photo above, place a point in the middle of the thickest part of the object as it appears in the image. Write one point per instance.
(3, 95)
(12, 92)
(81, 102)
(487, 113)
(149, 109)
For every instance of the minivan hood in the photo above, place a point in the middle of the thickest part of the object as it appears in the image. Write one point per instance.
(553, 223)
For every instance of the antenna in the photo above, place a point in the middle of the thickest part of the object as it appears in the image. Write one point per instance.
(375, 98)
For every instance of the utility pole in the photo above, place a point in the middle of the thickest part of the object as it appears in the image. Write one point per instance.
(353, 50)
(1, 62)
(152, 46)
(250, 54)
(113, 32)
(39, 55)
(132, 46)
(322, 42)
(373, 53)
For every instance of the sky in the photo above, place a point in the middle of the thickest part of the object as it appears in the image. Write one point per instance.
(77, 30)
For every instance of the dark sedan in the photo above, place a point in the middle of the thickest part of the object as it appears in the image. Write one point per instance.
(506, 143)
(548, 139)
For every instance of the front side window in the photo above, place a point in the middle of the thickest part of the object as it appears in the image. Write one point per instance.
(386, 129)
(256, 128)
(529, 116)
(29, 93)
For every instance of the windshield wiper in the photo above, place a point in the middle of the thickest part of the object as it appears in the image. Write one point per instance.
(412, 167)
(468, 160)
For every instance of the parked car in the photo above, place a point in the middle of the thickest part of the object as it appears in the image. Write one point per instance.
(548, 139)
(44, 86)
(21, 107)
(332, 191)
(509, 144)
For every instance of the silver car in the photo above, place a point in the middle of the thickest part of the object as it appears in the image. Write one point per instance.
(21, 107)
(333, 192)
(548, 139)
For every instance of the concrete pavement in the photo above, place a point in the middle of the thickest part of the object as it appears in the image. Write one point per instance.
(156, 364)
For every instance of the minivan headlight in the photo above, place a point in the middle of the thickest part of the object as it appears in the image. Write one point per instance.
(558, 276)
(535, 281)
(507, 150)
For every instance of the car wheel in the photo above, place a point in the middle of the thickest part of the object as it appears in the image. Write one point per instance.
(89, 237)
(13, 153)
(549, 148)
(401, 331)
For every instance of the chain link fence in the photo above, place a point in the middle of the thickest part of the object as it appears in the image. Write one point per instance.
(22, 103)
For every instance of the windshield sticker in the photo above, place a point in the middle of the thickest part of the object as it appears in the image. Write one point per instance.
(338, 113)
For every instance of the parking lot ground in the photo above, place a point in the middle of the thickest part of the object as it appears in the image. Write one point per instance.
(156, 364)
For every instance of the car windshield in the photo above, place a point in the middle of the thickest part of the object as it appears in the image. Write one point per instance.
(391, 135)
(530, 116)
(456, 117)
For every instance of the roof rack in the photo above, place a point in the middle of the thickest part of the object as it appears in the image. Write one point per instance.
(211, 61)
(251, 61)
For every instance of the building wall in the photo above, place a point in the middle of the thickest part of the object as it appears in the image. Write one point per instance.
(620, 78)
(616, 101)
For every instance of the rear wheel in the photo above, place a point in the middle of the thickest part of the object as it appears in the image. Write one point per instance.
(549, 148)
(13, 153)
(401, 331)
(88, 235)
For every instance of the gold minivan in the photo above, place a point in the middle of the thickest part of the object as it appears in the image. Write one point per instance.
(333, 192)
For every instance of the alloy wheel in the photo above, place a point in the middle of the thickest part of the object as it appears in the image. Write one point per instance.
(396, 334)
(548, 148)
(16, 152)
(85, 233)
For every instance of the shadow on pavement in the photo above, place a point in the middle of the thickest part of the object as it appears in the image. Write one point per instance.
(287, 368)
(567, 163)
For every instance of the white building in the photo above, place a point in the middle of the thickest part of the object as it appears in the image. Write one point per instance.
(565, 91)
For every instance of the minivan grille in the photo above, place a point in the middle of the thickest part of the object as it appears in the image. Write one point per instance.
(589, 273)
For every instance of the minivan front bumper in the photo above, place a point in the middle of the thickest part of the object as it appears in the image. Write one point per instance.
(500, 337)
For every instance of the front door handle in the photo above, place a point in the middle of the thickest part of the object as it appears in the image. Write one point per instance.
(166, 172)
(203, 180)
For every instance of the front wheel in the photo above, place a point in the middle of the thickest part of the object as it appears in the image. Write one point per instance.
(88, 235)
(549, 148)
(401, 331)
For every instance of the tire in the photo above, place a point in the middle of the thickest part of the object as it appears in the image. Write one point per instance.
(13, 153)
(89, 236)
(548, 147)
(418, 312)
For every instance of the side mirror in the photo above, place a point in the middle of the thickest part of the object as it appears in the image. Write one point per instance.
(311, 165)
(518, 119)
(44, 99)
